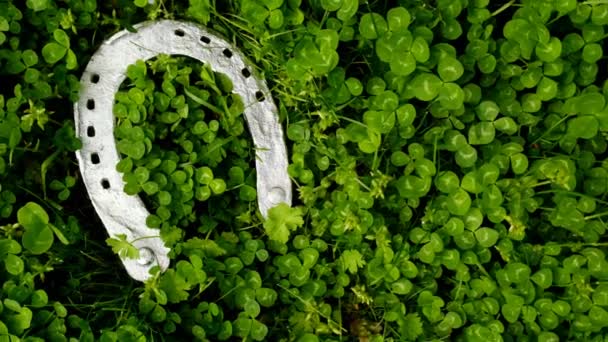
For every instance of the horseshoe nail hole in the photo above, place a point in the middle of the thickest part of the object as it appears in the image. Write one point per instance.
(146, 257)
(205, 39)
(105, 183)
(95, 158)
(95, 78)
(260, 96)
(90, 104)
(90, 131)
(179, 33)
(227, 53)
(276, 195)
(246, 72)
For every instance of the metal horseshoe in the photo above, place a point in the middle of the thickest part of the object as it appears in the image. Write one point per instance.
(124, 214)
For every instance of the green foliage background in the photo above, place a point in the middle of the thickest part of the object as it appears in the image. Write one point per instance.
(448, 160)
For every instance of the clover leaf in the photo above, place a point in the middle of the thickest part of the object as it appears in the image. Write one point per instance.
(38, 236)
(282, 220)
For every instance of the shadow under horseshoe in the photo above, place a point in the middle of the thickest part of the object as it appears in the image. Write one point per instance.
(124, 214)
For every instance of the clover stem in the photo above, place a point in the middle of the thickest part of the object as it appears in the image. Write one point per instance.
(375, 161)
(252, 226)
(202, 102)
(203, 288)
(577, 245)
(44, 167)
(284, 33)
(144, 237)
(307, 304)
(235, 187)
(571, 193)
(554, 20)
(482, 269)
(551, 128)
(435, 150)
(47, 201)
(228, 293)
(342, 106)
(594, 2)
(541, 183)
(502, 8)
(351, 120)
(591, 217)
(362, 184)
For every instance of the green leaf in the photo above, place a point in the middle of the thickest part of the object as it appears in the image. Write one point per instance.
(589, 103)
(519, 163)
(273, 4)
(550, 51)
(518, 272)
(447, 182)
(53, 52)
(29, 57)
(174, 285)
(380, 121)
(402, 286)
(598, 316)
(354, 86)
(451, 96)
(38, 236)
(4, 26)
(600, 295)
(266, 296)
(403, 64)
(281, 221)
(466, 156)
(398, 19)
(412, 327)
(308, 337)
(258, 330)
(372, 25)
(331, 5)
(37, 5)
(488, 174)
(122, 247)
(592, 53)
(59, 233)
(450, 69)
(62, 38)
(487, 64)
(13, 264)
(426, 86)
(471, 183)
(511, 312)
(348, 10)
(352, 260)
(420, 50)
(459, 202)
(486, 237)
(599, 13)
(543, 278)
(487, 110)
(481, 133)
(585, 127)
(506, 125)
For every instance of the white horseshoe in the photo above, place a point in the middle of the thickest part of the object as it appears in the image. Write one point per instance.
(124, 214)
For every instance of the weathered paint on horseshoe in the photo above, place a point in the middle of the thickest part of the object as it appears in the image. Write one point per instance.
(124, 214)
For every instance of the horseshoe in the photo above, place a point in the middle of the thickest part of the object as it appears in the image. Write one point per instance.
(97, 159)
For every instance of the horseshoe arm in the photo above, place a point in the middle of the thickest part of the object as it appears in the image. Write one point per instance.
(124, 214)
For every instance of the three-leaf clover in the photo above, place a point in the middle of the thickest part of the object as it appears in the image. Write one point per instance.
(59, 48)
